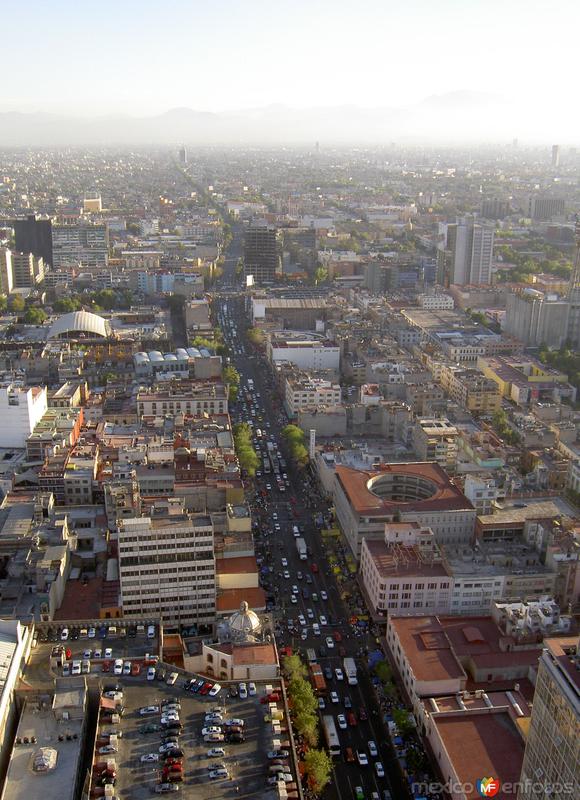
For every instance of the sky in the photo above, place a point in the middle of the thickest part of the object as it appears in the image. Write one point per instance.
(144, 57)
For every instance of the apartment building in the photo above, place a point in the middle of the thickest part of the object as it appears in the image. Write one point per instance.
(183, 397)
(302, 392)
(167, 566)
(27, 270)
(81, 242)
(470, 389)
(436, 440)
(21, 408)
(551, 766)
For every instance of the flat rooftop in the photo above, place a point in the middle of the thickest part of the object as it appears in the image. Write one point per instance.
(46, 725)
(388, 565)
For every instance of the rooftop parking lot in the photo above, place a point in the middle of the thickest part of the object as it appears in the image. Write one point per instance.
(246, 763)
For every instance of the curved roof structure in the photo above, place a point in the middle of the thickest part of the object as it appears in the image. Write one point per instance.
(245, 623)
(82, 322)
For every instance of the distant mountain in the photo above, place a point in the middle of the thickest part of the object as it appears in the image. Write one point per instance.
(452, 117)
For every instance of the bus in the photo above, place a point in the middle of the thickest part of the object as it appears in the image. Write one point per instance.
(331, 736)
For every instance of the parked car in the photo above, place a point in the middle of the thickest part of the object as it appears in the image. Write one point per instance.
(148, 710)
(161, 788)
(149, 757)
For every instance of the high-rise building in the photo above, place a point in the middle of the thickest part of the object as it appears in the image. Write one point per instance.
(21, 409)
(555, 155)
(551, 767)
(167, 566)
(261, 253)
(34, 235)
(573, 332)
(494, 208)
(465, 255)
(6, 275)
(27, 270)
(183, 155)
(536, 318)
(80, 242)
(541, 206)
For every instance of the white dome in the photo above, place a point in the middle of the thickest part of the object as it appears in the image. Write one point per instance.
(80, 321)
(244, 622)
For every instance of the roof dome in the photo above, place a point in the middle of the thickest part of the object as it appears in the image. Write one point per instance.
(245, 622)
(81, 321)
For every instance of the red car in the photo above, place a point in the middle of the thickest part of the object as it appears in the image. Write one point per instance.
(206, 687)
(362, 715)
(274, 697)
(172, 768)
(351, 719)
(337, 636)
(314, 568)
(173, 762)
(106, 666)
(135, 669)
(68, 653)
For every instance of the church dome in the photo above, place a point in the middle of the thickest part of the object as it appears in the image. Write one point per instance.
(245, 622)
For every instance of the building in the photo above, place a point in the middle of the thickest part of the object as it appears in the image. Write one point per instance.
(542, 207)
(81, 242)
(6, 274)
(183, 155)
(261, 254)
(526, 380)
(183, 397)
(555, 155)
(167, 566)
(467, 253)
(21, 408)
(436, 440)
(407, 492)
(574, 297)
(551, 766)
(306, 352)
(289, 313)
(15, 643)
(27, 270)
(537, 318)
(494, 208)
(92, 204)
(34, 235)
(302, 392)
(482, 491)
(470, 389)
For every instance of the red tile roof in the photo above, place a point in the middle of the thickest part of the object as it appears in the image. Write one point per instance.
(228, 600)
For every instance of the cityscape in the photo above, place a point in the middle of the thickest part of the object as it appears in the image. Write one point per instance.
(289, 414)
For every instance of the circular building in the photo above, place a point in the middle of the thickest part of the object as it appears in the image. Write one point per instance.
(80, 322)
(244, 625)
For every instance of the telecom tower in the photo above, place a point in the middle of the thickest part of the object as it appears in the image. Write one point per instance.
(574, 295)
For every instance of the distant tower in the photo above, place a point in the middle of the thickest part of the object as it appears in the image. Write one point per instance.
(574, 295)
(555, 155)
(183, 155)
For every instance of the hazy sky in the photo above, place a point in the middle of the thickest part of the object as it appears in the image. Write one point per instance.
(142, 56)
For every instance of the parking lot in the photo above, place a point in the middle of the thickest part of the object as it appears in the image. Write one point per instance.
(246, 763)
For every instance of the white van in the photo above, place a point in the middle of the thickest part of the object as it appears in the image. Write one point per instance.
(151, 632)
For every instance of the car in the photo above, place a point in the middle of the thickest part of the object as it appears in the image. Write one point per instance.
(150, 673)
(168, 747)
(301, 620)
(309, 580)
(362, 758)
(160, 674)
(172, 678)
(305, 593)
(170, 705)
(86, 666)
(286, 574)
(379, 769)
(172, 761)
(98, 653)
(295, 589)
(328, 673)
(113, 694)
(152, 727)
(216, 774)
(349, 755)
(66, 669)
(127, 668)
(92, 633)
(314, 567)
(293, 599)
(108, 748)
(236, 738)
(321, 703)
(322, 651)
(87, 653)
(118, 668)
(310, 613)
(323, 620)
(341, 719)
(347, 701)
(334, 697)
(207, 731)
(171, 716)
(216, 752)
(278, 754)
(162, 788)
(215, 690)
(339, 674)
(243, 691)
(233, 691)
(373, 749)
(358, 793)
(337, 636)
(234, 721)
(64, 634)
(351, 719)
(145, 710)
(206, 688)
(284, 562)
(329, 642)
(362, 714)
(198, 686)
(149, 757)
(323, 594)
(135, 669)
(214, 737)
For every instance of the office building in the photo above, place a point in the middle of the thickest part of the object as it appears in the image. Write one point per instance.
(466, 254)
(261, 253)
(167, 566)
(34, 235)
(183, 155)
(21, 408)
(542, 207)
(573, 319)
(27, 270)
(555, 155)
(6, 275)
(80, 242)
(551, 766)
(494, 208)
(536, 318)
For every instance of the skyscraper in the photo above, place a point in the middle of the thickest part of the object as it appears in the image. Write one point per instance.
(574, 297)
(466, 253)
(261, 256)
(27, 270)
(555, 155)
(6, 275)
(183, 155)
(34, 235)
(551, 767)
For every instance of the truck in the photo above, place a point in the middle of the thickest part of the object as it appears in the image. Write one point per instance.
(317, 679)
(301, 547)
(349, 665)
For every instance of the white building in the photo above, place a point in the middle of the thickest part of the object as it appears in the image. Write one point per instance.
(305, 352)
(301, 394)
(436, 302)
(482, 492)
(167, 566)
(21, 408)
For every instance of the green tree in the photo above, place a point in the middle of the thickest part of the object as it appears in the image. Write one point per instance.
(384, 672)
(294, 666)
(255, 336)
(34, 316)
(3, 302)
(307, 726)
(64, 305)
(16, 303)
(318, 768)
(403, 721)
(320, 275)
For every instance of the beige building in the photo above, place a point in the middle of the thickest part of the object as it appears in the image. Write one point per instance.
(436, 440)
(302, 393)
(470, 389)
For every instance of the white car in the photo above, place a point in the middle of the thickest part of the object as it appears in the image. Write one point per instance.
(362, 758)
(301, 620)
(213, 716)
(214, 737)
(252, 689)
(379, 769)
(127, 668)
(215, 690)
(64, 635)
(334, 697)
(286, 574)
(329, 642)
(339, 674)
(92, 633)
(238, 723)
(108, 652)
(172, 678)
(87, 653)
(166, 746)
(76, 668)
(310, 613)
(210, 729)
(321, 703)
(148, 710)
(98, 653)
(216, 774)
(151, 673)
(170, 716)
(341, 719)
(284, 562)
(293, 599)
(323, 594)
(323, 620)
(149, 757)
(243, 691)
(295, 589)
(108, 748)
(373, 750)
(216, 752)
(118, 668)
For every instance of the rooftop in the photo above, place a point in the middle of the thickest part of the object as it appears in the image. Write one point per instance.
(401, 560)
(565, 654)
